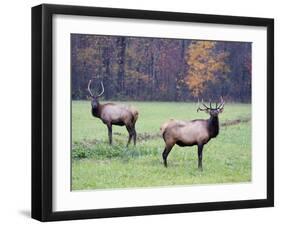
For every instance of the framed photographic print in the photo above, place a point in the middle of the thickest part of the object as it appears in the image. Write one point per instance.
(146, 112)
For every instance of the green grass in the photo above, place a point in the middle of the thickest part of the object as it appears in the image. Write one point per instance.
(96, 165)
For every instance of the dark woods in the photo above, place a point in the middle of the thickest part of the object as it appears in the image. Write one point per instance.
(158, 69)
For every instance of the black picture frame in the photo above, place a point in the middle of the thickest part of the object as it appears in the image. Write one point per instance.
(42, 111)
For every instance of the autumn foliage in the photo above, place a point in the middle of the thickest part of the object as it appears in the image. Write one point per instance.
(205, 65)
(160, 69)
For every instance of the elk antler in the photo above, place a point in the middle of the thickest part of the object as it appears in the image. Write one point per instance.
(221, 104)
(202, 109)
(206, 108)
(102, 90)
(210, 105)
(89, 87)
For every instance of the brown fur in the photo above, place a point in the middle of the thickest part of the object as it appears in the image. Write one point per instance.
(188, 133)
(114, 114)
(120, 115)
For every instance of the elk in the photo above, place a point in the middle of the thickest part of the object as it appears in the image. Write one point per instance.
(114, 114)
(196, 132)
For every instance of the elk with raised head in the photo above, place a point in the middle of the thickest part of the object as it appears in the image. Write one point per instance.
(114, 114)
(196, 132)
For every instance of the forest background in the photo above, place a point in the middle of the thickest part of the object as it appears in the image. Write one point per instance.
(160, 69)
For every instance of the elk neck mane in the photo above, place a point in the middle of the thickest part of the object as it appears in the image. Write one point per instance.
(213, 126)
(96, 111)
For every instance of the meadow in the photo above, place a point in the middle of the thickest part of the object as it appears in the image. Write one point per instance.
(97, 165)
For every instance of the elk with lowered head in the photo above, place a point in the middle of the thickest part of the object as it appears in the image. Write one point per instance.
(196, 132)
(114, 114)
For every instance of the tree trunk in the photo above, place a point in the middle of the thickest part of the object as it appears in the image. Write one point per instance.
(121, 48)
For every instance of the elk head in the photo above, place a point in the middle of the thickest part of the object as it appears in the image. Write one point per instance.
(95, 98)
(213, 111)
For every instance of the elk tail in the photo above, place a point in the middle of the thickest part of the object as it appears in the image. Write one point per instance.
(164, 127)
(163, 130)
(135, 114)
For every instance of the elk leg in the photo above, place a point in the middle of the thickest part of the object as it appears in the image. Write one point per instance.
(166, 153)
(109, 127)
(200, 155)
(135, 135)
(131, 134)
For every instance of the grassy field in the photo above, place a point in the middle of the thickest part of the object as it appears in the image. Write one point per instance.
(96, 165)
